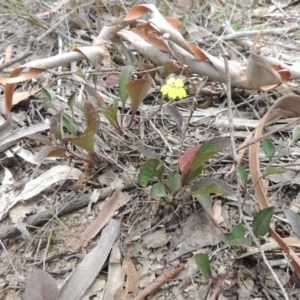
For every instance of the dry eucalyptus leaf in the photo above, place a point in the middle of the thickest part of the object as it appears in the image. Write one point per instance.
(84, 275)
(130, 281)
(156, 239)
(116, 200)
(196, 232)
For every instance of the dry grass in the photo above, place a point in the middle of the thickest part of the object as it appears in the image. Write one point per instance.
(54, 245)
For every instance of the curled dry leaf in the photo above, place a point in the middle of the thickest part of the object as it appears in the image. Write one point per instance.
(95, 54)
(286, 106)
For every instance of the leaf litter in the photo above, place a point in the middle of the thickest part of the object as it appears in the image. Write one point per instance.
(160, 248)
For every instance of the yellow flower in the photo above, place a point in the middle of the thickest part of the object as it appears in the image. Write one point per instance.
(174, 88)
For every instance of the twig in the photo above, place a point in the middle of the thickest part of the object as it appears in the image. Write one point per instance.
(161, 135)
(221, 279)
(243, 34)
(255, 141)
(4, 249)
(230, 116)
(160, 280)
(235, 157)
(27, 52)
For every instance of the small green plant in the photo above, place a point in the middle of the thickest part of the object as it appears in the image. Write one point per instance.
(190, 166)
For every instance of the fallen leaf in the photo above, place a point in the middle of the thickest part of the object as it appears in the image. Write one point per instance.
(130, 279)
(115, 201)
(84, 275)
(41, 286)
(196, 232)
(156, 239)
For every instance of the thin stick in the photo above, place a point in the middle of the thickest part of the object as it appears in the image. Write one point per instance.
(221, 279)
(27, 53)
(230, 119)
(243, 34)
(160, 280)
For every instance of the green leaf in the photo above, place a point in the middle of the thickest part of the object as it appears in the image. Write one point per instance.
(296, 134)
(46, 99)
(158, 190)
(174, 182)
(67, 122)
(261, 221)
(244, 175)
(71, 100)
(236, 25)
(95, 79)
(125, 77)
(268, 148)
(47, 95)
(212, 147)
(192, 174)
(294, 220)
(206, 201)
(87, 140)
(206, 151)
(272, 170)
(150, 169)
(219, 15)
(111, 112)
(236, 236)
(147, 153)
(211, 186)
(191, 164)
(203, 265)
(136, 249)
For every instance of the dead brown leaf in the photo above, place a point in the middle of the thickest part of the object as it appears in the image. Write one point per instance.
(116, 200)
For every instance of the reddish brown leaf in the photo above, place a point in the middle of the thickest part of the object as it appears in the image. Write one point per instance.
(157, 43)
(130, 281)
(186, 159)
(136, 12)
(174, 22)
(198, 52)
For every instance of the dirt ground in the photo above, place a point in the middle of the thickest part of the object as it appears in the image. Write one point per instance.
(155, 234)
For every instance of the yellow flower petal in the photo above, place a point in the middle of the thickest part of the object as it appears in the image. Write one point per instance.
(165, 89)
(172, 93)
(181, 93)
(174, 88)
(171, 81)
(179, 83)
